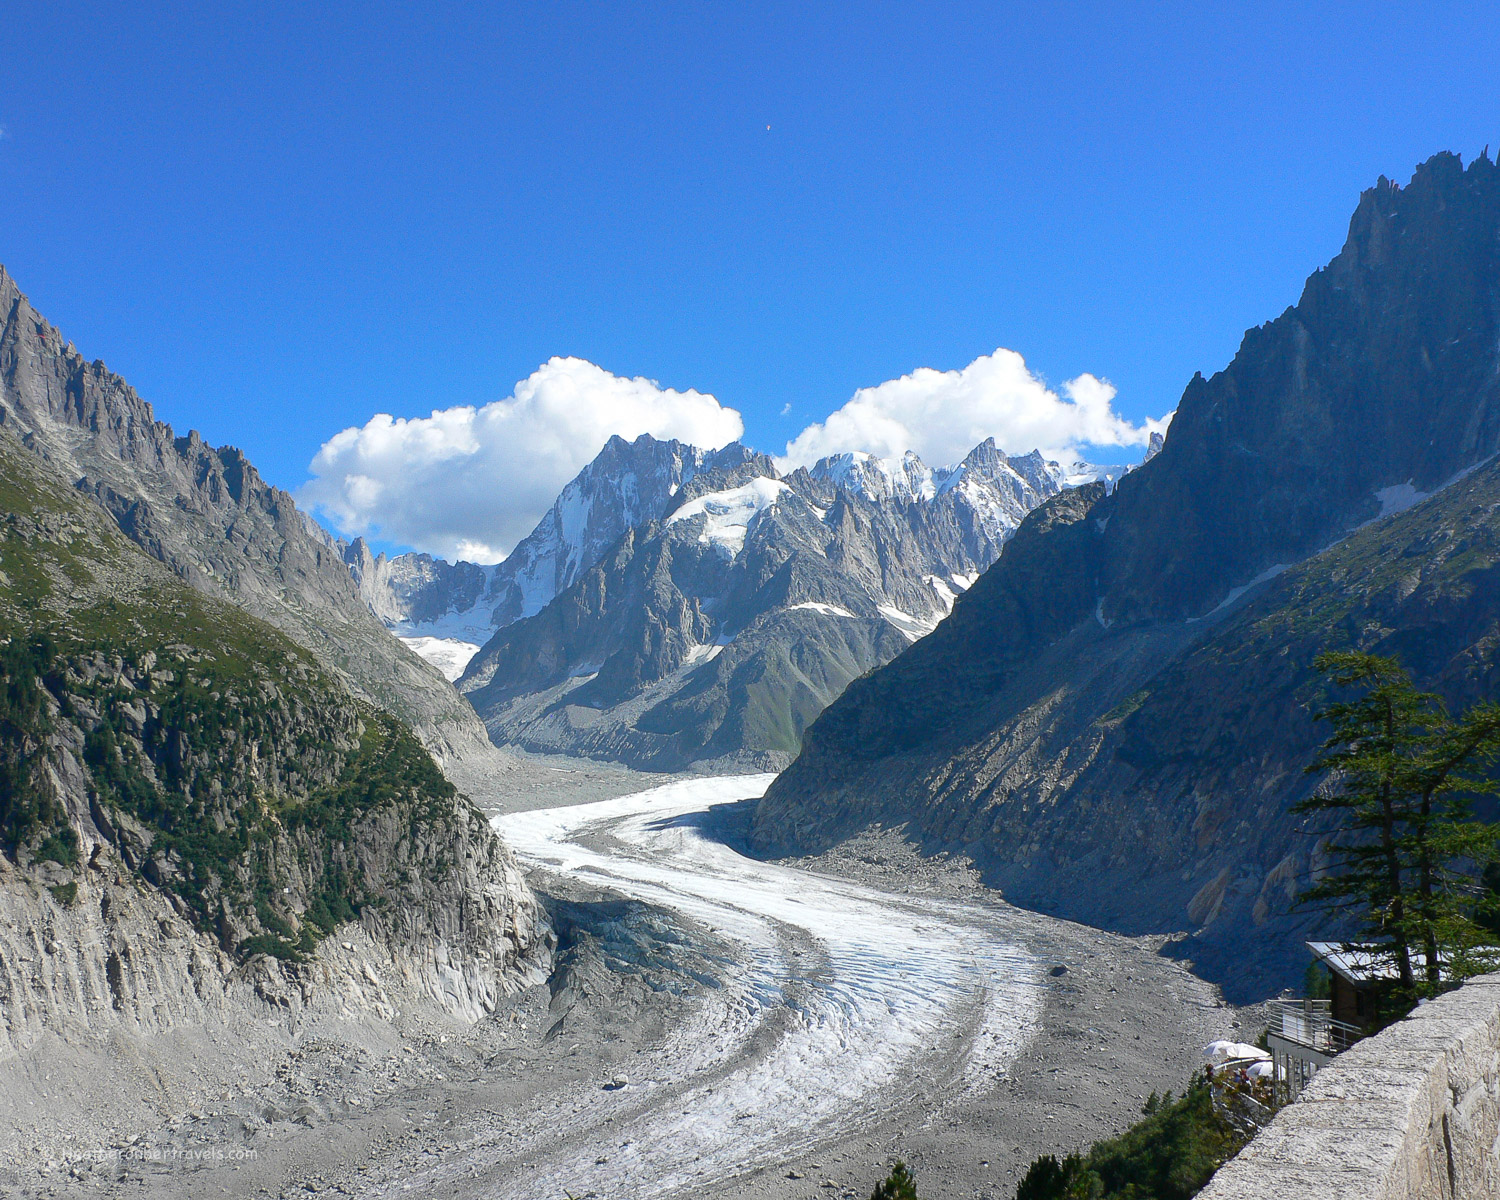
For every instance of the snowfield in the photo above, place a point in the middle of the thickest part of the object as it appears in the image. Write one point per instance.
(847, 1002)
(728, 514)
(448, 655)
(827, 610)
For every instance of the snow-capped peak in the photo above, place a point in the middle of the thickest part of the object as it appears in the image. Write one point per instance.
(907, 479)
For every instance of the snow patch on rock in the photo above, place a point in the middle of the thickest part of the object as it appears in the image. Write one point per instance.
(1399, 498)
(1234, 594)
(702, 654)
(828, 610)
(946, 595)
(912, 627)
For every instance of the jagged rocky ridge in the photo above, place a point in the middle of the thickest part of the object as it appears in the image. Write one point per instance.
(446, 611)
(434, 607)
(720, 624)
(208, 515)
(190, 805)
(1114, 720)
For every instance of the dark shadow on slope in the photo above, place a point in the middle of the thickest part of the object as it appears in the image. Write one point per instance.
(728, 824)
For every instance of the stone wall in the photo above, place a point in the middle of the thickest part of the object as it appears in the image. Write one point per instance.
(1412, 1114)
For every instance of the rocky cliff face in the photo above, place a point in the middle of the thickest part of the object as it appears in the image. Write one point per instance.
(414, 589)
(194, 813)
(208, 516)
(1381, 377)
(1115, 718)
(627, 484)
(435, 608)
(719, 626)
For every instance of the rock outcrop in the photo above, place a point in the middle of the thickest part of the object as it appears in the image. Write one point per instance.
(414, 589)
(1115, 718)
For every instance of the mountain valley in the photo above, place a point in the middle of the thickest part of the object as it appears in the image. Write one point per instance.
(752, 823)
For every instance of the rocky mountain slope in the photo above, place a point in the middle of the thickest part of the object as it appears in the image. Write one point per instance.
(208, 515)
(718, 626)
(190, 804)
(1114, 719)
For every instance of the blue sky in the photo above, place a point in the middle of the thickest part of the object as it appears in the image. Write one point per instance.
(280, 222)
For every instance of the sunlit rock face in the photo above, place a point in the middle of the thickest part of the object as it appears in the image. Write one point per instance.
(201, 822)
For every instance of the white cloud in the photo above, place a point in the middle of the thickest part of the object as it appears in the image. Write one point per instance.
(471, 482)
(942, 415)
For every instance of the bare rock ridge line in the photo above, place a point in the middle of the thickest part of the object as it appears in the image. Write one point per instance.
(445, 611)
(207, 514)
(627, 483)
(632, 483)
(1114, 719)
(714, 631)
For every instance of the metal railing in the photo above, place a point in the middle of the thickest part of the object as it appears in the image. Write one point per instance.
(1238, 1105)
(1310, 1023)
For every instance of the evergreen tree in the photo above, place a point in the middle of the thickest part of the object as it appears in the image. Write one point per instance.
(899, 1185)
(1403, 775)
(1051, 1178)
